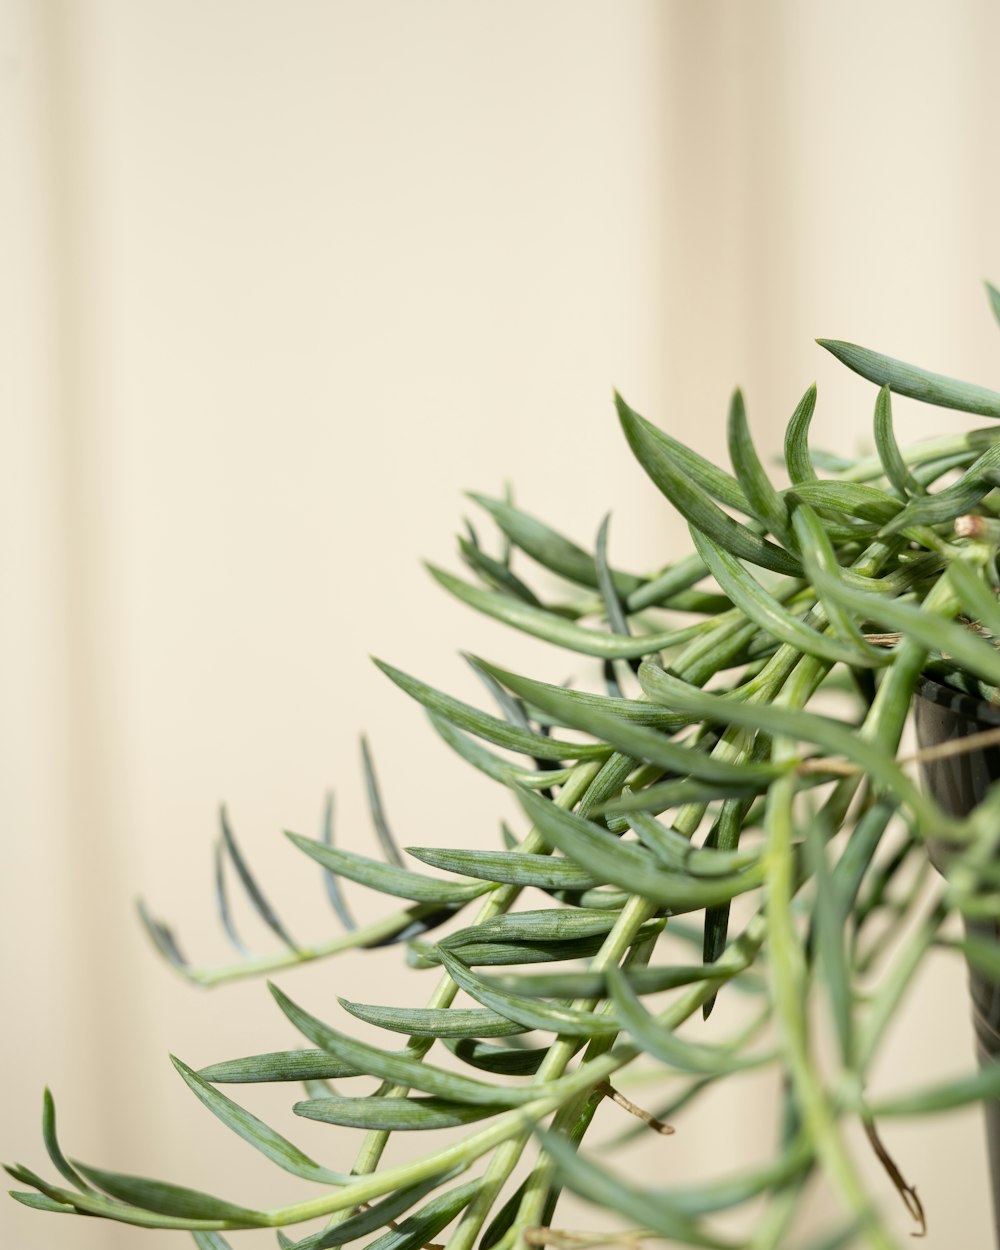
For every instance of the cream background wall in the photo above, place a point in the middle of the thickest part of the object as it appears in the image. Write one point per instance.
(282, 280)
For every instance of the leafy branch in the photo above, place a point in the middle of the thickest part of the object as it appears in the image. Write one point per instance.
(697, 773)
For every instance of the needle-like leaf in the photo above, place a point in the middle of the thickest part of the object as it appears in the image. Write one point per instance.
(434, 1021)
(388, 843)
(688, 492)
(490, 727)
(387, 878)
(909, 380)
(259, 1135)
(333, 890)
(397, 1068)
(556, 629)
(262, 907)
(550, 549)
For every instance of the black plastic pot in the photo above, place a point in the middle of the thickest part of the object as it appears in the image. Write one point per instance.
(959, 782)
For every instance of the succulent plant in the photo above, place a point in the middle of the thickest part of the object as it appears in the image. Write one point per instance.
(718, 805)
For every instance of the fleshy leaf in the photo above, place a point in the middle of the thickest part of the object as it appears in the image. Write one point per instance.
(262, 907)
(397, 1068)
(392, 1114)
(434, 1021)
(278, 1065)
(556, 629)
(167, 1199)
(333, 890)
(259, 1135)
(387, 878)
(490, 727)
(916, 383)
(528, 1012)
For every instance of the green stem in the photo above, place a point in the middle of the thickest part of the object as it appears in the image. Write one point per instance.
(633, 916)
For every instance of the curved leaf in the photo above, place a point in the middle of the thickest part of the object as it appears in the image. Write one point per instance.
(490, 727)
(556, 629)
(630, 866)
(671, 475)
(254, 1131)
(392, 1114)
(278, 1065)
(433, 1021)
(397, 1068)
(386, 878)
(909, 380)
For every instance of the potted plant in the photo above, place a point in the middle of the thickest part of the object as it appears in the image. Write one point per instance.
(719, 803)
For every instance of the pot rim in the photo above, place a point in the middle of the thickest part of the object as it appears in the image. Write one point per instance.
(958, 702)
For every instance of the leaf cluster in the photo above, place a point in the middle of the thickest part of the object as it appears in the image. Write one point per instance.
(719, 805)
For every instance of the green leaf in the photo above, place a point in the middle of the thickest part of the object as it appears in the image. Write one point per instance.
(528, 1012)
(259, 1135)
(260, 903)
(953, 501)
(397, 1068)
(606, 584)
(835, 737)
(41, 1202)
(52, 1147)
(818, 553)
(496, 574)
(550, 549)
(92, 1203)
(659, 451)
(278, 1065)
(830, 915)
(765, 501)
(927, 628)
(495, 766)
(865, 507)
(978, 599)
(665, 586)
(667, 794)
(387, 878)
(333, 890)
(676, 852)
(167, 1199)
(608, 1190)
(556, 629)
(630, 866)
(416, 1231)
(537, 693)
(797, 458)
(490, 727)
(510, 867)
(994, 297)
(752, 599)
(920, 384)
(500, 1060)
(392, 1114)
(162, 938)
(633, 740)
(433, 1021)
(371, 1217)
(375, 805)
(222, 901)
(594, 984)
(676, 479)
(893, 463)
(538, 951)
(544, 925)
(662, 1043)
(981, 1086)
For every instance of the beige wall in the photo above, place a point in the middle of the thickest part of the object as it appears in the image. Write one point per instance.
(280, 281)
